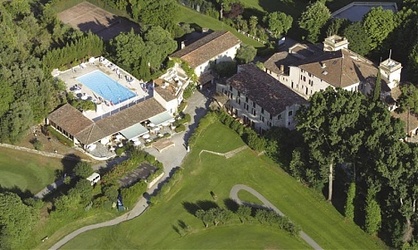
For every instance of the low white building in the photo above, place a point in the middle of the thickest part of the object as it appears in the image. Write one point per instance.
(218, 46)
(260, 100)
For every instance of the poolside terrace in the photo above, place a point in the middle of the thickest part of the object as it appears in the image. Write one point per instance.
(104, 107)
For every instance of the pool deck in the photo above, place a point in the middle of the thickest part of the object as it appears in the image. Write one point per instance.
(69, 77)
(356, 10)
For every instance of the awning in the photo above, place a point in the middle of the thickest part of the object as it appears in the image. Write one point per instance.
(161, 118)
(134, 131)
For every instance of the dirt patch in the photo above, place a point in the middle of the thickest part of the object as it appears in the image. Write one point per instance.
(162, 144)
(86, 16)
(49, 144)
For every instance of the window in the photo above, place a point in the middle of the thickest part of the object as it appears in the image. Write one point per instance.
(271, 117)
(279, 117)
(262, 111)
(304, 78)
(269, 124)
(301, 77)
(239, 94)
(290, 113)
(246, 99)
(246, 106)
(262, 118)
(239, 101)
(309, 74)
(230, 88)
(253, 104)
(254, 111)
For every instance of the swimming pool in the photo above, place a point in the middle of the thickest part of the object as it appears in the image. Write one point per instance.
(105, 87)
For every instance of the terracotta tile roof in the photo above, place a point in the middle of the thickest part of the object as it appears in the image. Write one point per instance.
(70, 119)
(413, 120)
(263, 89)
(87, 132)
(207, 48)
(282, 58)
(340, 68)
(167, 92)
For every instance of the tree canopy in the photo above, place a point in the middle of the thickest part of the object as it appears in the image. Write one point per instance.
(245, 54)
(378, 24)
(278, 23)
(313, 19)
(16, 221)
(359, 40)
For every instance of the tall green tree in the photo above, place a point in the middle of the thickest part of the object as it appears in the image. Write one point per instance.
(245, 54)
(277, 23)
(377, 87)
(313, 19)
(160, 13)
(359, 40)
(408, 100)
(349, 207)
(158, 45)
(83, 169)
(378, 24)
(328, 128)
(16, 221)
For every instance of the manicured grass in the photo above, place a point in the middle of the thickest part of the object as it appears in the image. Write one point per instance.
(193, 17)
(211, 173)
(27, 171)
(246, 196)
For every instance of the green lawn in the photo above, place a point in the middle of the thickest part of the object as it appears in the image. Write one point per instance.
(211, 173)
(246, 196)
(27, 171)
(193, 17)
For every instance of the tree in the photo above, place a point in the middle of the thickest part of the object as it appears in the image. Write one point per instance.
(313, 19)
(158, 45)
(278, 23)
(349, 205)
(126, 49)
(337, 26)
(84, 189)
(359, 40)
(373, 212)
(378, 24)
(16, 121)
(252, 25)
(244, 213)
(328, 126)
(408, 100)
(161, 13)
(377, 87)
(245, 54)
(111, 192)
(16, 221)
(83, 169)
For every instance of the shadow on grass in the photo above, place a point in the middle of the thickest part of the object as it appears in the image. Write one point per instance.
(202, 204)
(231, 205)
(23, 194)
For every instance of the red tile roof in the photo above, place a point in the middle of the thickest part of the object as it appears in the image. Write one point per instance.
(207, 48)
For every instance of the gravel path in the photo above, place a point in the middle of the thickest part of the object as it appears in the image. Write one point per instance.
(234, 195)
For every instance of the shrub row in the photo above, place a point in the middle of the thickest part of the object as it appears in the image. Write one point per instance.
(166, 187)
(131, 194)
(205, 122)
(249, 136)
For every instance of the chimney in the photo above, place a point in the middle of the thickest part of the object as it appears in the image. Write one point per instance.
(282, 68)
(323, 65)
(182, 45)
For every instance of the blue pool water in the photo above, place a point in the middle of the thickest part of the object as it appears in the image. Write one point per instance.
(105, 87)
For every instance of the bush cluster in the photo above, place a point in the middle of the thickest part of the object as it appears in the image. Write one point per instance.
(166, 187)
(204, 122)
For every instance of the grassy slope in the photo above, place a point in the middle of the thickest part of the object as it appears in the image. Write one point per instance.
(190, 16)
(26, 171)
(154, 229)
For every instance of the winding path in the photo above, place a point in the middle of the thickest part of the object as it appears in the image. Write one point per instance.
(234, 195)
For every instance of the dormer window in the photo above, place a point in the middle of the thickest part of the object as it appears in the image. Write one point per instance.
(323, 65)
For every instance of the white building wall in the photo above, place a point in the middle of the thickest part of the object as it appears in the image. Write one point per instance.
(225, 56)
(304, 83)
(246, 109)
(170, 106)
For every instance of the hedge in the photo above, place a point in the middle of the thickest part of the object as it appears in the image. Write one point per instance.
(60, 137)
